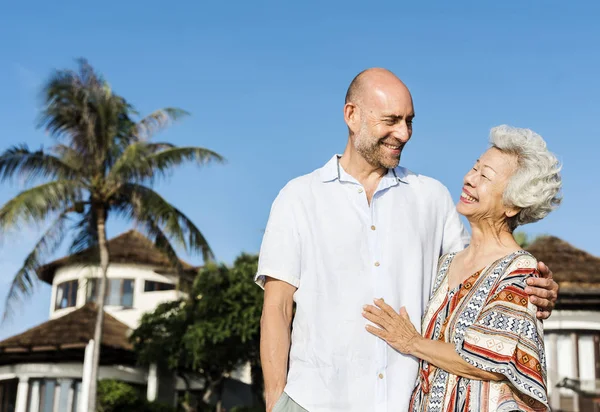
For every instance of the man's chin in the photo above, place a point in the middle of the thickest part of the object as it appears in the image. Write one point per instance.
(390, 163)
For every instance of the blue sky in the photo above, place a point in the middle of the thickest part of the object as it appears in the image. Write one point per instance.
(265, 83)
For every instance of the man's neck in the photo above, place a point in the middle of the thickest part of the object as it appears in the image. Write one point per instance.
(366, 174)
(357, 167)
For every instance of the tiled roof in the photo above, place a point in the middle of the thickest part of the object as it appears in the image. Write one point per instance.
(71, 331)
(129, 247)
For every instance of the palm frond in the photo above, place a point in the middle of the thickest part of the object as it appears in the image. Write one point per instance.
(72, 158)
(162, 243)
(165, 160)
(145, 162)
(81, 109)
(19, 161)
(86, 232)
(133, 164)
(66, 96)
(153, 212)
(35, 205)
(157, 121)
(25, 279)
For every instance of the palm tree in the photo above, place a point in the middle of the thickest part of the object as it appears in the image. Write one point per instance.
(102, 165)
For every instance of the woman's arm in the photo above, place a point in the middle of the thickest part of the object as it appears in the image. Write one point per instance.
(398, 331)
(443, 356)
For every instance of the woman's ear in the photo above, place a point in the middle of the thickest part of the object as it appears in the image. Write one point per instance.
(511, 212)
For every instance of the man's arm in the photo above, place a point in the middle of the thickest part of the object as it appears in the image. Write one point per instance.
(275, 326)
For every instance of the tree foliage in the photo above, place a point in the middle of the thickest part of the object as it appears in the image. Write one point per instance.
(212, 331)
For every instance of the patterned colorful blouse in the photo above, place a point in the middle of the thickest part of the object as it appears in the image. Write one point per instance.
(493, 326)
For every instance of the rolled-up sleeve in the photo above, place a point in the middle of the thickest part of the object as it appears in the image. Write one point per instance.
(280, 251)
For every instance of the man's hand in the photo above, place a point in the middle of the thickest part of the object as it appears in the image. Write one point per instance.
(543, 291)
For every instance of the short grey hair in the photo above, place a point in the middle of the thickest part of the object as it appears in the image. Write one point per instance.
(535, 186)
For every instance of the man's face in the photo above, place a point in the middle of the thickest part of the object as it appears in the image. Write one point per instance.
(385, 127)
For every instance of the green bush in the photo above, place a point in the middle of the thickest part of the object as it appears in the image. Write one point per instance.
(117, 396)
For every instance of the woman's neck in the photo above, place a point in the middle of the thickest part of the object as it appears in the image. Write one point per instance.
(490, 241)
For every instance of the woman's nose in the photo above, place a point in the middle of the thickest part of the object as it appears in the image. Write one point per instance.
(470, 179)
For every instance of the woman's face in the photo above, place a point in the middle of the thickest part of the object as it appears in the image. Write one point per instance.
(484, 185)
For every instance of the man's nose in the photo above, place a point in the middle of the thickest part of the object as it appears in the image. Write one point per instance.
(401, 132)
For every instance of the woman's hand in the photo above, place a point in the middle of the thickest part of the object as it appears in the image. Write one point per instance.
(394, 328)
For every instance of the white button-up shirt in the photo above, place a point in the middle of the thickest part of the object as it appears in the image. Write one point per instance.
(340, 252)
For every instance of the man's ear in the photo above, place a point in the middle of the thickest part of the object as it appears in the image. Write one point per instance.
(352, 116)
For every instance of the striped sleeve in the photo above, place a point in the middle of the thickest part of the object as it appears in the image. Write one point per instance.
(507, 338)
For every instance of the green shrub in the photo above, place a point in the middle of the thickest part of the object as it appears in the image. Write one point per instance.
(117, 396)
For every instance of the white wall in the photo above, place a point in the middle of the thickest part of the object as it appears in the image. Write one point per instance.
(574, 320)
(142, 301)
(561, 324)
(136, 375)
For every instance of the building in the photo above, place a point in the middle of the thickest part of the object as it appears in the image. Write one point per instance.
(45, 368)
(572, 333)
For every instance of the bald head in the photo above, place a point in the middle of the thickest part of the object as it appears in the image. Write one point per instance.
(379, 114)
(370, 81)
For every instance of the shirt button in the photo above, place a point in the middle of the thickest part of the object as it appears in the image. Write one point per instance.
(381, 376)
(372, 227)
(376, 263)
(360, 190)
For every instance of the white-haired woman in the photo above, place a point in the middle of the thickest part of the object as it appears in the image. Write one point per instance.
(482, 345)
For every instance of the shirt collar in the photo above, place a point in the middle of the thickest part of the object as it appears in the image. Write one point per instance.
(333, 170)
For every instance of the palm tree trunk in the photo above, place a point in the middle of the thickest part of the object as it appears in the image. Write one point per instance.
(104, 259)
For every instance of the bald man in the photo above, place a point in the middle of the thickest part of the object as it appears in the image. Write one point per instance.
(361, 227)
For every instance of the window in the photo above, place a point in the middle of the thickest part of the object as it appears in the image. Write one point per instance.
(151, 286)
(8, 395)
(53, 395)
(66, 295)
(119, 292)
